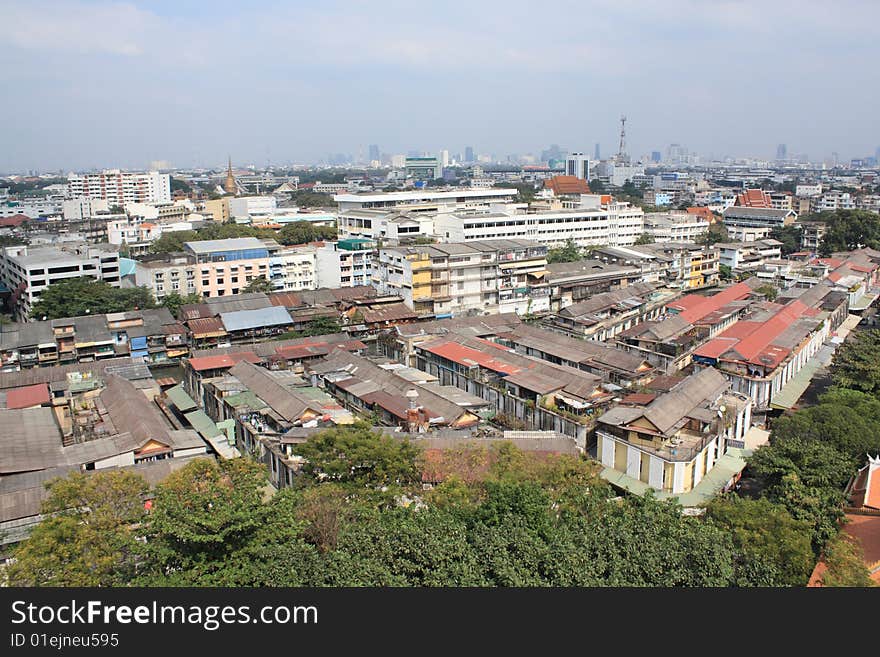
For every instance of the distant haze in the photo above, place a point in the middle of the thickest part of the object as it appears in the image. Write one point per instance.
(112, 84)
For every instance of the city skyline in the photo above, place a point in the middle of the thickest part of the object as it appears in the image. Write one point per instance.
(123, 84)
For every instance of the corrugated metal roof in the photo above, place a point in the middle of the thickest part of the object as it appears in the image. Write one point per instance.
(250, 319)
(177, 395)
(222, 360)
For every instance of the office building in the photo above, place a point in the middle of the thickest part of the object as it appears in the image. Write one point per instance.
(578, 165)
(345, 263)
(423, 168)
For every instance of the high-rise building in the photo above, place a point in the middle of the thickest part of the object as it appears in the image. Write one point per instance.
(578, 165)
(121, 187)
(469, 154)
(655, 156)
(596, 153)
(444, 158)
(781, 153)
(374, 152)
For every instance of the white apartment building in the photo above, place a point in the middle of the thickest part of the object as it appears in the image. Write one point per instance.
(747, 256)
(166, 275)
(675, 226)
(805, 191)
(386, 225)
(292, 267)
(252, 207)
(28, 270)
(121, 187)
(834, 200)
(482, 277)
(594, 223)
(80, 209)
(462, 200)
(345, 263)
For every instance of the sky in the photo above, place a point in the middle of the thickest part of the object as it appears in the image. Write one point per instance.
(120, 84)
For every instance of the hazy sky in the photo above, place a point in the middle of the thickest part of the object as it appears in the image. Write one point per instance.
(101, 84)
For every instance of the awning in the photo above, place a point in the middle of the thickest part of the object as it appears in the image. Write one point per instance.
(574, 403)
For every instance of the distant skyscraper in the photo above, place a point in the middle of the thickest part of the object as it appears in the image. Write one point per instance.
(655, 156)
(444, 158)
(835, 159)
(781, 152)
(578, 165)
(596, 155)
(469, 154)
(374, 152)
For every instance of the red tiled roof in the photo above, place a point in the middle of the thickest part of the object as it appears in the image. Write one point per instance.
(863, 268)
(15, 220)
(222, 360)
(866, 530)
(686, 302)
(715, 302)
(715, 347)
(567, 185)
(834, 277)
(754, 198)
(831, 262)
(28, 396)
(463, 355)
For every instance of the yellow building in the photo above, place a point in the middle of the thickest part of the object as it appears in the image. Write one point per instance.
(670, 442)
(218, 209)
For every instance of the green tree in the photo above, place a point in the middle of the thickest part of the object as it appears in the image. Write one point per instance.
(725, 273)
(768, 291)
(846, 230)
(173, 242)
(856, 363)
(174, 302)
(764, 533)
(178, 184)
(716, 233)
(571, 252)
(73, 297)
(807, 477)
(308, 199)
(259, 284)
(645, 238)
(88, 537)
(790, 236)
(211, 526)
(356, 454)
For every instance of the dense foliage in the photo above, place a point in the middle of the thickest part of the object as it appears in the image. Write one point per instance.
(571, 252)
(846, 230)
(73, 297)
(358, 516)
(790, 236)
(298, 232)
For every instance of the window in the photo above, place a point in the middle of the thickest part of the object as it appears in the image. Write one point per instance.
(234, 279)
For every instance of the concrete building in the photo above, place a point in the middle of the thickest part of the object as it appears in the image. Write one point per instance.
(484, 277)
(744, 257)
(166, 274)
(292, 268)
(255, 208)
(423, 168)
(224, 267)
(389, 226)
(121, 187)
(596, 220)
(27, 270)
(752, 217)
(427, 200)
(578, 165)
(345, 263)
(675, 226)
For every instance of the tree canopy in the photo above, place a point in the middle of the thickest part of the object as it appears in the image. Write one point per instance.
(73, 297)
(846, 230)
(259, 284)
(856, 364)
(790, 236)
(571, 252)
